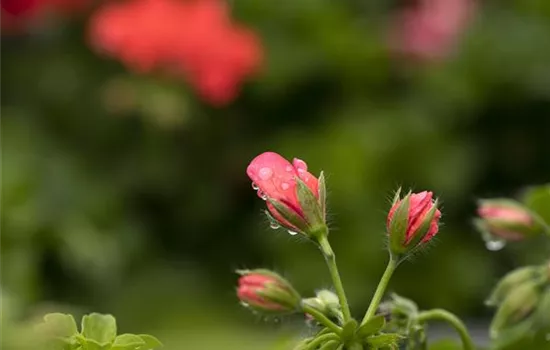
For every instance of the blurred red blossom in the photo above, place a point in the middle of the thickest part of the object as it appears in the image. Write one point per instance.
(428, 29)
(195, 39)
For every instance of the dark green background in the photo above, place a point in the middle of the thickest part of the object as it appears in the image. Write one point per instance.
(127, 195)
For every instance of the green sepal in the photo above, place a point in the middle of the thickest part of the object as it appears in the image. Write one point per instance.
(384, 340)
(537, 199)
(100, 328)
(512, 280)
(323, 195)
(374, 325)
(150, 341)
(398, 226)
(290, 215)
(396, 197)
(91, 344)
(310, 204)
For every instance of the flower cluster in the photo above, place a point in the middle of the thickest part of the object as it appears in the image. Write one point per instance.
(296, 201)
(194, 39)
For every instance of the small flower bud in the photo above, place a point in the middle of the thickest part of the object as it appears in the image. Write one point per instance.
(326, 302)
(267, 292)
(412, 221)
(517, 306)
(515, 279)
(295, 198)
(507, 220)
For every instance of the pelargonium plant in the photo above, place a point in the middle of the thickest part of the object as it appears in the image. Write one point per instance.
(296, 201)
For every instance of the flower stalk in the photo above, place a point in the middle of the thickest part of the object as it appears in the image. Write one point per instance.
(455, 322)
(380, 290)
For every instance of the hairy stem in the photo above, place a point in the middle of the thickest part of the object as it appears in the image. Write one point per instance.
(335, 275)
(382, 285)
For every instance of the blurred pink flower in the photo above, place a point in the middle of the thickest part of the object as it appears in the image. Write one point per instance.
(195, 39)
(428, 29)
(18, 15)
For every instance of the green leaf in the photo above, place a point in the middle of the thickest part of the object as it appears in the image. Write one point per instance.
(387, 339)
(90, 344)
(60, 325)
(150, 341)
(445, 344)
(374, 325)
(129, 342)
(98, 327)
(348, 330)
(538, 200)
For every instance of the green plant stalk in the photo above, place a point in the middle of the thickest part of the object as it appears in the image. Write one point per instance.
(382, 285)
(320, 340)
(458, 325)
(324, 320)
(330, 258)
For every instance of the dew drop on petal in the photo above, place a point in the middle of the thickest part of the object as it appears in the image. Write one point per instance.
(495, 245)
(265, 173)
(262, 195)
(285, 186)
(292, 233)
(255, 187)
(289, 168)
(274, 225)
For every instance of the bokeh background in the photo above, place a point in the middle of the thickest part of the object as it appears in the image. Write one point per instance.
(124, 191)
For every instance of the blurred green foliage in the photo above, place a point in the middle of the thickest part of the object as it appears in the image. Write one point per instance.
(127, 195)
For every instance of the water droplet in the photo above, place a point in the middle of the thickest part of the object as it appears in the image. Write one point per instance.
(289, 168)
(285, 186)
(495, 244)
(262, 195)
(292, 233)
(265, 173)
(274, 225)
(255, 187)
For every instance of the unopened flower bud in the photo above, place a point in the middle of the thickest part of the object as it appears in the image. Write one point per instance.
(295, 198)
(326, 302)
(507, 220)
(516, 307)
(515, 279)
(412, 221)
(267, 292)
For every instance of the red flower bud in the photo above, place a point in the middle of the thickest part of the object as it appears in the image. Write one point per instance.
(266, 291)
(412, 220)
(506, 220)
(295, 197)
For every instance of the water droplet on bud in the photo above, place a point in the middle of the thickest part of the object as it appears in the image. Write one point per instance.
(289, 168)
(262, 195)
(255, 187)
(285, 186)
(274, 225)
(265, 173)
(292, 233)
(495, 244)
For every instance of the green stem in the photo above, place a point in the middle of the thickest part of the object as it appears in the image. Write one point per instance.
(379, 293)
(458, 325)
(324, 320)
(320, 340)
(335, 275)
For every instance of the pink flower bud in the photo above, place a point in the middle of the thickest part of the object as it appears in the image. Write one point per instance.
(506, 219)
(282, 185)
(266, 291)
(412, 220)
